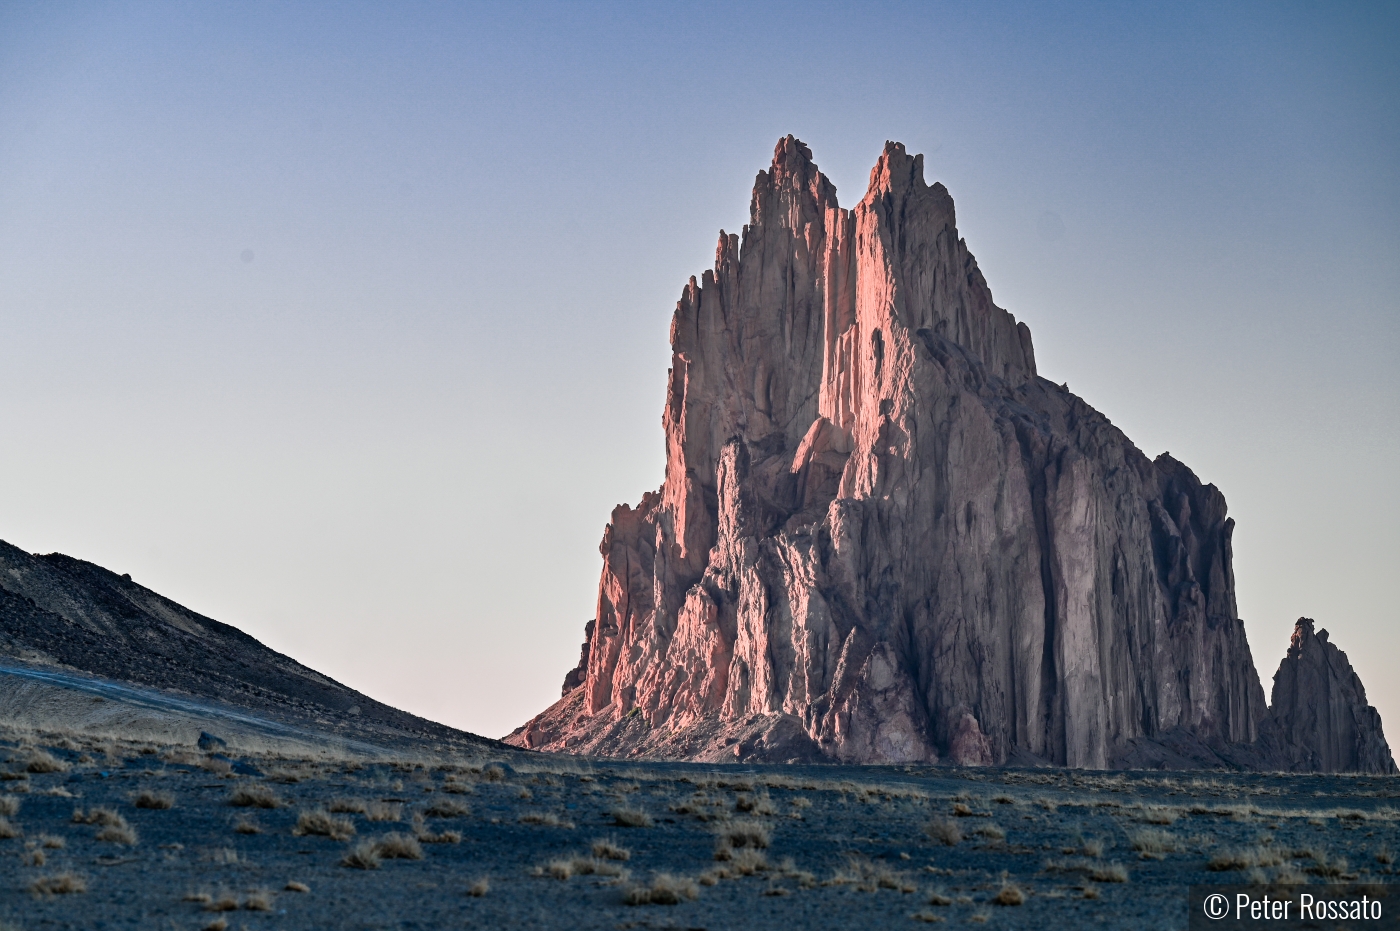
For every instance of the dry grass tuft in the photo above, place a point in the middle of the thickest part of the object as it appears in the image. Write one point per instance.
(1109, 873)
(260, 901)
(51, 841)
(346, 806)
(1151, 842)
(1010, 894)
(254, 796)
(1099, 872)
(217, 766)
(870, 876)
(58, 884)
(745, 833)
(607, 849)
(41, 761)
(1329, 869)
(453, 787)
(446, 808)
(159, 801)
(445, 837)
(927, 917)
(665, 889)
(1384, 856)
(558, 869)
(224, 903)
(320, 823)
(1159, 814)
(218, 924)
(8, 830)
(1245, 859)
(625, 817)
(295, 886)
(9, 806)
(702, 806)
(114, 829)
(590, 866)
(363, 856)
(479, 888)
(990, 831)
(759, 804)
(545, 818)
(398, 847)
(805, 880)
(103, 816)
(246, 825)
(746, 862)
(945, 831)
(384, 811)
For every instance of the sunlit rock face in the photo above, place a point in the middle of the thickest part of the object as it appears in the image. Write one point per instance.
(882, 537)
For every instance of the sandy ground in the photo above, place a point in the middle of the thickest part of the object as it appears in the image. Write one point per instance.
(530, 841)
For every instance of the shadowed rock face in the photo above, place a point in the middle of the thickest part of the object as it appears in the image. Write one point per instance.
(1319, 720)
(882, 537)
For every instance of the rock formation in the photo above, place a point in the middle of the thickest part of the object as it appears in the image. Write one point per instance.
(1319, 719)
(882, 537)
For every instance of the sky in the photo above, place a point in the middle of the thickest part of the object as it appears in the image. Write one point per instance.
(346, 324)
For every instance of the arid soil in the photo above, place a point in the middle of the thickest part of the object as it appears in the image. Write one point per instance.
(536, 841)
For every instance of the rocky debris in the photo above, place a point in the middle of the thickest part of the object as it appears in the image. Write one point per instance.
(1319, 719)
(877, 521)
(59, 611)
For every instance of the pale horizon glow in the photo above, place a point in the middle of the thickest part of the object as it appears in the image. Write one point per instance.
(346, 325)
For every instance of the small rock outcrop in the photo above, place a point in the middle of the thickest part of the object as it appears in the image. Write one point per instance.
(1319, 719)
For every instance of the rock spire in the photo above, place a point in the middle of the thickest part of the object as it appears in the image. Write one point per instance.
(882, 537)
(1319, 719)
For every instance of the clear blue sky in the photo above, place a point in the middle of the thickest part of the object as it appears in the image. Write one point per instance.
(346, 323)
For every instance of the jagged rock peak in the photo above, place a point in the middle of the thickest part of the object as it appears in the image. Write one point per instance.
(882, 537)
(1319, 719)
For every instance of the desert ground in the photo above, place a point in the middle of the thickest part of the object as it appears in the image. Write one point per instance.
(104, 833)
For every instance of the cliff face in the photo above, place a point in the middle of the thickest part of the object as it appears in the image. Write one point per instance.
(882, 537)
(1319, 719)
